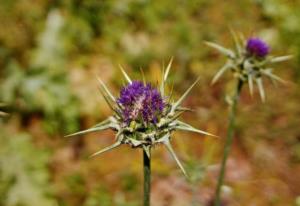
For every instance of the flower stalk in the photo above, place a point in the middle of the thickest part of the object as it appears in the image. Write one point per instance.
(229, 141)
(147, 177)
(249, 61)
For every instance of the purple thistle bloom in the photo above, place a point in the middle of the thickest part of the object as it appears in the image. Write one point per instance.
(140, 102)
(257, 47)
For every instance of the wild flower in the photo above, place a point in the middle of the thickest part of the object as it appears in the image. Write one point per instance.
(256, 47)
(144, 116)
(249, 61)
(141, 103)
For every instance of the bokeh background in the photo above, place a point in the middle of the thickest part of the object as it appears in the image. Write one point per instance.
(50, 55)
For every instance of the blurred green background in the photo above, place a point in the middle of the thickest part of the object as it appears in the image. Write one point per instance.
(50, 55)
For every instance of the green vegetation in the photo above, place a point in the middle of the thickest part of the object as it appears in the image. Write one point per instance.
(50, 55)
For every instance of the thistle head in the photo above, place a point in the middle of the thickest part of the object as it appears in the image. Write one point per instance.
(249, 61)
(143, 117)
(140, 103)
(257, 47)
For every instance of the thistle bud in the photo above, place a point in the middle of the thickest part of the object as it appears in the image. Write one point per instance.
(249, 61)
(256, 47)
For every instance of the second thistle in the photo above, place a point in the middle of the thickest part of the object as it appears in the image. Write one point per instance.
(249, 61)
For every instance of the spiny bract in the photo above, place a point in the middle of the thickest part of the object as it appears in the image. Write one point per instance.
(143, 116)
(249, 61)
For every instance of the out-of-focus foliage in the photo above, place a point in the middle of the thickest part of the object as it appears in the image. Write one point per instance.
(105, 198)
(24, 175)
(286, 16)
(42, 86)
(50, 55)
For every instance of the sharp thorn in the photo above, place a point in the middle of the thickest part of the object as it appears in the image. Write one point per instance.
(116, 144)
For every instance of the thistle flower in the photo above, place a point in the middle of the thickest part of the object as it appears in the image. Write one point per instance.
(257, 47)
(140, 101)
(249, 61)
(143, 116)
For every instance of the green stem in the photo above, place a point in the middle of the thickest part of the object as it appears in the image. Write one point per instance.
(228, 143)
(147, 178)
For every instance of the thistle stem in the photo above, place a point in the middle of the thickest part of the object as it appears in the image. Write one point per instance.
(147, 177)
(229, 141)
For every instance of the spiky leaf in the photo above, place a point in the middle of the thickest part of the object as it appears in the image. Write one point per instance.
(116, 144)
(223, 50)
(125, 74)
(260, 88)
(168, 70)
(221, 72)
(180, 100)
(250, 83)
(104, 88)
(94, 129)
(281, 59)
(173, 154)
(147, 150)
(186, 127)
(237, 43)
(268, 72)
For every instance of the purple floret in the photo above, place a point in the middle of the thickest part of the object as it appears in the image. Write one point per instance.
(140, 102)
(257, 47)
